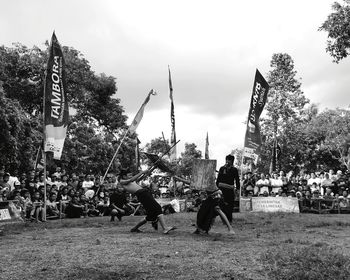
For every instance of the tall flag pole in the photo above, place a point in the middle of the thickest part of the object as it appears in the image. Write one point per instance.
(132, 128)
(55, 105)
(172, 118)
(206, 156)
(275, 159)
(252, 142)
(137, 153)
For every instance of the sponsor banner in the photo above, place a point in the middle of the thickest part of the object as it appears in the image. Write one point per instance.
(252, 137)
(10, 211)
(275, 204)
(55, 100)
(4, 215)
(245, 205)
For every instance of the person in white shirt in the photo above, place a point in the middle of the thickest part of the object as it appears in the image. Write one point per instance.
(276, 183)
(262, 185)
(87, 183)
(314, 179)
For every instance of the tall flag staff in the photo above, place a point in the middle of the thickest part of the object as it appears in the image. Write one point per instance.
(172, 118)
(276, 152)
(206, 154)
(132, 128)
(55, 105)
(252, 142)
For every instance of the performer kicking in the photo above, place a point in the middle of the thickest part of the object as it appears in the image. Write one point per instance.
(153, 209)
(209, 209)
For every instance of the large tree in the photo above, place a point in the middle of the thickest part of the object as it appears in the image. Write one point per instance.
(332, 129)
(186, 161)
(285, 108)
(338, 27)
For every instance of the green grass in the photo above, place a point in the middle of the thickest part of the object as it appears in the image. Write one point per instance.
(266, 246)
(315, 262)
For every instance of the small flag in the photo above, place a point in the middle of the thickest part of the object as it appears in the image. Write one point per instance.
(172, 118)
(206, 156)
(55, 101)
(135, 123)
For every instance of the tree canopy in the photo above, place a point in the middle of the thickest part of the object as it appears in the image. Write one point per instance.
(337, 25)
(97, 121)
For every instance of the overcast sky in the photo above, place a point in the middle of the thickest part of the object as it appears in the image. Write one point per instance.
(212, 47)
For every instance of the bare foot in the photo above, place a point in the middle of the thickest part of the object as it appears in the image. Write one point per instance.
(167, 230)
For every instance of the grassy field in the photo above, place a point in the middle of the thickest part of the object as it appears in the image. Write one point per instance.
(265, 246)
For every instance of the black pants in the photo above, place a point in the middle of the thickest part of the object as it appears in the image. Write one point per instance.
(227, 207)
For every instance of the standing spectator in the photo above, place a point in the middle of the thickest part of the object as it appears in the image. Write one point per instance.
(227, 181)
(58, 172)
(276, 183)
(262, 185)
(332, 176)
(13, 179)
(313, 179)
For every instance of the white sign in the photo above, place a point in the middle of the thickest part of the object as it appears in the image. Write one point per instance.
(4, 214)
(275, 204)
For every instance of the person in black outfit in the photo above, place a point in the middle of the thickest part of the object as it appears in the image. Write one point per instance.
(227, 181)
(119, 203)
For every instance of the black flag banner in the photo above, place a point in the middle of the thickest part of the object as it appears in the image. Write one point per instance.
(252, 142)
(159, 163)
(172, 118)
(55, 101)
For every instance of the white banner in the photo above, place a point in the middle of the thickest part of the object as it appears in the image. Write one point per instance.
(5, 214)
(275, 204)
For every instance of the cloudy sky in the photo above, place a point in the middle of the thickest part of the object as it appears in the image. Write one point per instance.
(212, 47)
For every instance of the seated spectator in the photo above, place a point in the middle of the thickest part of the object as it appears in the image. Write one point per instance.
(4, 185)
(37, 212)
(118, 204)
(17, 189)
(344, 203)
(87, 183)
(74, 208)
(51, 206)
(103, 206)
(92, 210)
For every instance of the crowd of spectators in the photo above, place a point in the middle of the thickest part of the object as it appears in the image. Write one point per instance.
(74, 196)
(83, 195)
(316, 191)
